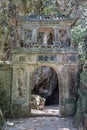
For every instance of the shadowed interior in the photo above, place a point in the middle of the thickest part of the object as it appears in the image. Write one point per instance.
(45, 82)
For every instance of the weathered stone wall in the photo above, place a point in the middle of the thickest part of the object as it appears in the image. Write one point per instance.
(5, 87)
(20, 105)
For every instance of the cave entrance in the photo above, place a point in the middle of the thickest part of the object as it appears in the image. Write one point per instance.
(45, 91)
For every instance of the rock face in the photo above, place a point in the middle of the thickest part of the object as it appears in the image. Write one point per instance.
(1, 120)
(44, 82)
(81, 113)
(82, 11)
(73, 9)
(83, 75)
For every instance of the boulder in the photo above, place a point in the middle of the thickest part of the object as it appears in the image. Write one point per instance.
(37, 102)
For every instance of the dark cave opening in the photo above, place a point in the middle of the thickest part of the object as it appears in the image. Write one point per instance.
(45, 82)
(53, 99)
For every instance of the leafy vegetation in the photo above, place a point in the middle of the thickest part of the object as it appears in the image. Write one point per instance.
(79, 39)
(84, 77)
(77, 34)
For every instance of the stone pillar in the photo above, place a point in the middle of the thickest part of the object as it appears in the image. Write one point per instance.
(34, 36)
(61, 82)
(30, 71)
(67, 90)
(20, 91)
(68, 38)
(45, 38)
(68, 32)
(70, 89)
(56, 35)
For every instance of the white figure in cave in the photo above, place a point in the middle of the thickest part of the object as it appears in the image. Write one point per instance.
(45, 38)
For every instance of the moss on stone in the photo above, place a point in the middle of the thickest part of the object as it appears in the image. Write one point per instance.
(5, 89)
(77, 119)
(83, 77)
(78, 115)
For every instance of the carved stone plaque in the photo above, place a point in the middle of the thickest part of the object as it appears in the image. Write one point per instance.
(46, 58)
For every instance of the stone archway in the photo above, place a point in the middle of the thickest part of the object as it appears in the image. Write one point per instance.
(59, 73)
(44, 82)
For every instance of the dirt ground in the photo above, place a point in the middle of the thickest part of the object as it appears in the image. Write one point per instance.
(48, 119)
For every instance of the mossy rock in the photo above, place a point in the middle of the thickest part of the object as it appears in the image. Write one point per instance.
(77, 119)
(83, 77)
(2, 120)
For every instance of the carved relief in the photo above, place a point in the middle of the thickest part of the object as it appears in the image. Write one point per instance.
(31, 58)
(22, 58)
(60, 58)
(27, 38)
(46, 58)
(70, 58)
(62, 34)
(64, 38)
(72, 87)
(20, 72)
(28, 34)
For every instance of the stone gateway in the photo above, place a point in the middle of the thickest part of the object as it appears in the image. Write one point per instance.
(66, 71)
(42, 43)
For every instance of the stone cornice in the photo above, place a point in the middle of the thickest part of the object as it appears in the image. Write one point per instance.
(49, 22)
(22, 50)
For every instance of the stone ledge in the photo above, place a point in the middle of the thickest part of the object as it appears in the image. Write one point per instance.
(22, 50)
(5, 64)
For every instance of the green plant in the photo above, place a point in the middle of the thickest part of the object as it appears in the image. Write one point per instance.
(78, 34)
